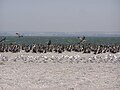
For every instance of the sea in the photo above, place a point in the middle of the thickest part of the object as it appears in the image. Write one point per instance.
(29, 40)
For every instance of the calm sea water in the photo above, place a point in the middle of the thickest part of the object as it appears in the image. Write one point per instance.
(60, 40)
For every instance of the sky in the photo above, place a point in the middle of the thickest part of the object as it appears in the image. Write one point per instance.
(99, 16)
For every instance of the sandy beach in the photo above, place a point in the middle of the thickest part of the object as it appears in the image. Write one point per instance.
(59, 44)
(53, 71)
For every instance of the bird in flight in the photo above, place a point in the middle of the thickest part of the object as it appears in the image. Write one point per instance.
(3, 39)
(19, 36)
(82, 39)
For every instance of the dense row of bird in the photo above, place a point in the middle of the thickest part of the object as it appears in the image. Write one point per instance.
(85, 48)
(108, 58)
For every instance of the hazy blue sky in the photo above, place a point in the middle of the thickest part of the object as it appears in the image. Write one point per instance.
(60, 16)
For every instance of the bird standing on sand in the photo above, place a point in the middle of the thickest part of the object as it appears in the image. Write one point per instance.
(49, 42)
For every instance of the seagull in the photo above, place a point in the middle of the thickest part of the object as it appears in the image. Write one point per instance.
(19, 36)
(3, 39)
(82, 39)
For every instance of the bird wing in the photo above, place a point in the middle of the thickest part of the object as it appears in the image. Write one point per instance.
(3, 39)
(18, 34)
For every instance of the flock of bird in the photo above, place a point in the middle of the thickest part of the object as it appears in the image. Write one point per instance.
(58, 48)
(108, 58)
(39, 48)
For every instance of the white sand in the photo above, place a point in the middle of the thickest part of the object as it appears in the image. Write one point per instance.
(66, 71)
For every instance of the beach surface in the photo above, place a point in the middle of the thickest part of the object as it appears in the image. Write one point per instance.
(53, 71)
